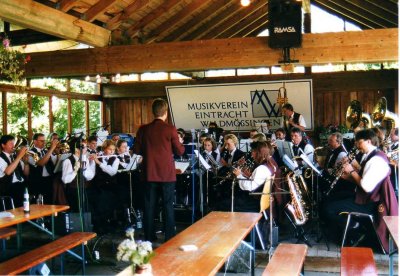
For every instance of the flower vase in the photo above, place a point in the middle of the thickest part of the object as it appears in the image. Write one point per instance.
(144, 269)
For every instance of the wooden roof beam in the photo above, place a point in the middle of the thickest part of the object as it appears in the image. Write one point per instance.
(66, 5)
(180, 16)
(343, 13)
(197, 20)
(97, 9)
(260, 12)
(253, 28)
(155, 14)
(388, 17)
(28, 36)
(29, 14)
(218, 19)
(386, 6)
(361, 9)
(125, 14)
(369, 46)
(234, 20)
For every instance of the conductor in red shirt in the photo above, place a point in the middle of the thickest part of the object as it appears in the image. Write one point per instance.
(157, 142)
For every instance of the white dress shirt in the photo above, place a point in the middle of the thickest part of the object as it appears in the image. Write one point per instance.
(375, 170)
(257, 178)
(4, 165)
(68, 172)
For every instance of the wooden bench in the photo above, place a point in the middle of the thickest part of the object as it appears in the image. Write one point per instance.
(5, 234)
(39, 255)
(357, 261)
(288, 259)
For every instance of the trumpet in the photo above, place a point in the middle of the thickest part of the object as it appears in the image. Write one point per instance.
(23, 142)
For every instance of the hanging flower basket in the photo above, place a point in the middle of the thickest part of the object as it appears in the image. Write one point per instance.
(12, 62)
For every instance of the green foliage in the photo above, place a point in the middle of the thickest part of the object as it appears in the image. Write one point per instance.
(17, 116)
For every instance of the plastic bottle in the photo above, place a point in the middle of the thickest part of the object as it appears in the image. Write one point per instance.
(26, 201)
(139, 224)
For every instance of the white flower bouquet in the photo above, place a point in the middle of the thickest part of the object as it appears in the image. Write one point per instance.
(138, 253)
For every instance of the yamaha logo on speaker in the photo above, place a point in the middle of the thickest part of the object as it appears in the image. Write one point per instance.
(284, 30)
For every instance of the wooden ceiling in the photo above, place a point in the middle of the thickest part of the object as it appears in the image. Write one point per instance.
(123, 22)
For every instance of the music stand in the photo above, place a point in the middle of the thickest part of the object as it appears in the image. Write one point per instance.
(132, 166)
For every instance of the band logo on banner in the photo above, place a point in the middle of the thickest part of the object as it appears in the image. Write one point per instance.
(239, 106)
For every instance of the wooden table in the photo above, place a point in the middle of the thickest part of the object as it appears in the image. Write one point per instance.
(217, 236)
(392, 223)
(36, 211)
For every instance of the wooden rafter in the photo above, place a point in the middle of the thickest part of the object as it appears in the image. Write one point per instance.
(159, 11)
(29, 14)
(235, 20)
(341, 12)
(27, 36)
(361, 10)
(180, 16)
(218, 19)
(390, 18)
(344, 47)
(249, 24)
(66, 5)
(97, 9)
(125, 14)
(197, 20)
(386, 6)
(253, 28)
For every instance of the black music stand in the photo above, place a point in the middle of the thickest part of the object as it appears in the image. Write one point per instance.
(130, 209)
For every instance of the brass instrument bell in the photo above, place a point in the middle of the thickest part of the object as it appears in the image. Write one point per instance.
(354, 116)
(381, 114)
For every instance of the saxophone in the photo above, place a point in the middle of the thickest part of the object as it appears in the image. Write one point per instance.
(299, 205)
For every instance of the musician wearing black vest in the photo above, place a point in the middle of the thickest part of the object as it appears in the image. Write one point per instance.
(292, 119)
(92, 145)
(13, 169)
(301, 146)
(41, 172)
(125, 177)
(71, 169)
(374, 193)
(336, 156)
(105, 184)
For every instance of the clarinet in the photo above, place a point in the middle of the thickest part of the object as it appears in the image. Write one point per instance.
(351, 155)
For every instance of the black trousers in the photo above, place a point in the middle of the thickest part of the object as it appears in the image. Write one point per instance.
(151, 200)
(332, 209)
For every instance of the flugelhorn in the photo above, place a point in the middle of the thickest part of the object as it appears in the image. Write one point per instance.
(21, 142)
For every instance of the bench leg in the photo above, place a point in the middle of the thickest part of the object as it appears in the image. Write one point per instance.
(62, 264)
(260, 237)
(391, 249)
(252, 251)
(4, 245)
(83, 260)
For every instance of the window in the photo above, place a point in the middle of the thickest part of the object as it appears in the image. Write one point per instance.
(17, 114)
(40, 114)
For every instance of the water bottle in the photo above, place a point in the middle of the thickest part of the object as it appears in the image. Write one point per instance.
(139, 224)
(26, 201)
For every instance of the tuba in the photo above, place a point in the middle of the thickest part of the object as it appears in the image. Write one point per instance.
(354, 116)
(299, 205)
(381, 114)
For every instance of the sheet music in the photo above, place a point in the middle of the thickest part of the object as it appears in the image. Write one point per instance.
(308, 162)
(287, 149)
(244, 144)
(133, 163)
(202, 161)
(279, 147)
(58, 167)
(181, 166)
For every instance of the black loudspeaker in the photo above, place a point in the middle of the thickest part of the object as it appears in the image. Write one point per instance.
(284, 24)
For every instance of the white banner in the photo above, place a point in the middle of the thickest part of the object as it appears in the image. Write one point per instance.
(237, 106)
